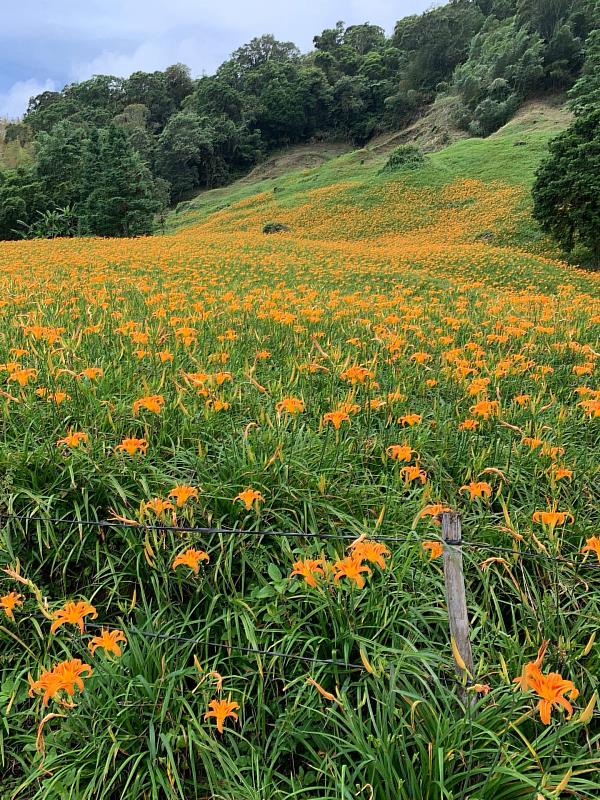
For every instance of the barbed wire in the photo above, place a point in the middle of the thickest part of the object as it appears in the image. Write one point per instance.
(227, 646)
(220, 531)
(312, 660)
(466, 683)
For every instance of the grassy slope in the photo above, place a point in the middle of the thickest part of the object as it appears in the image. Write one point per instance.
(510, 156)
(389, 272)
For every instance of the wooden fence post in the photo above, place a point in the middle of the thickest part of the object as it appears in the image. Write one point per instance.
(458, 619)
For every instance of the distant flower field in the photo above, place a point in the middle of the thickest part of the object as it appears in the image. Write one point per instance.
(381, 362)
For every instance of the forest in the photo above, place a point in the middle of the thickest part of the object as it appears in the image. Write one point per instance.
(109, 155)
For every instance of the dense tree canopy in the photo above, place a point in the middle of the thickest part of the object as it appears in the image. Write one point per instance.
(175, 135)
(566, 193)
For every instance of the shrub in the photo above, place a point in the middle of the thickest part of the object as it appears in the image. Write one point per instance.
(275, 227)
(406, 155)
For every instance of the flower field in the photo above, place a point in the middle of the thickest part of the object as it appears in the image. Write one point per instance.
(393, 355)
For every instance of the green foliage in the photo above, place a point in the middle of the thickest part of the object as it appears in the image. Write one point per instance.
(505, 62)
(585, 94)
(566, 192)
(195, 151)
(51, 223)
(118, 188)
(405, 156)
(537, 48)
(199, 134)
(22, 197)
(59, 163)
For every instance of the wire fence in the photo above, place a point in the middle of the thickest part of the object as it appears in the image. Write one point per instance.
(222, 531)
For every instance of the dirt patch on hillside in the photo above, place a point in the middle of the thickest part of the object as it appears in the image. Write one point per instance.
(542, 114)
(433, 130)
(302, 156)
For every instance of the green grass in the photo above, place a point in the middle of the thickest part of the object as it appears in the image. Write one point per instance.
(510, 156)
(384, 289)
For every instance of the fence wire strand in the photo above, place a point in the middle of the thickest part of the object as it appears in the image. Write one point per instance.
(218, 531)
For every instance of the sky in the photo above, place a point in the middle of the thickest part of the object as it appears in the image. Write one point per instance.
(45, 44)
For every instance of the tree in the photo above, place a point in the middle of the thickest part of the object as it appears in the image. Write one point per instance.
(21, 198)
(151, 89)
(120, 195)
(59, 163)
(18, 132)
(186, 153)
(566, 193)
(585, 94)
(437, 41)
(261, 50)
(503, 52)
(179, 83)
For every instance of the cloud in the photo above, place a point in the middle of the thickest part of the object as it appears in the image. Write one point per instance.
(48, 44)
(198, 55)
(14, 101)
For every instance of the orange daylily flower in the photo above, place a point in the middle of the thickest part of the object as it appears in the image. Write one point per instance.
(468, 425)
(9, 602)
(250, 497)
(413, 473)
(190, 558)
(485, 408)
(533, 442)
(552, 518)
(336, 418)
(310, 569)
(73, 439)
(410, 419)
(400, 452)
(23, 376)
(592, 545)
(221, 710)
(73, 614)
(433, 548)
(421, 357)
(433, 510)
(477, 489)
(131, 446)
(153, 403)
(351, 568)
(221, 377)
(357, 374)
(157, 505)
(217, 405)
(376, 403)
(367, 550)
(550, 688)
(181, 494)
(52, 397)
(591, 407)
(563, 472)
(478, 386)
(291, 405)
(66, 676)
(523, 680)
(91, 373)
(108, 641)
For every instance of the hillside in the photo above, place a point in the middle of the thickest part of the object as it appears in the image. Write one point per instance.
(222, 461)
(352, 197)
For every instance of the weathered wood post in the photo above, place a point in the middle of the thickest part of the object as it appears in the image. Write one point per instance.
(456, 600)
